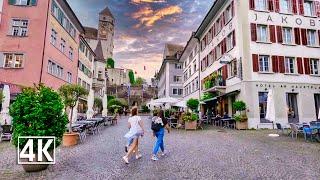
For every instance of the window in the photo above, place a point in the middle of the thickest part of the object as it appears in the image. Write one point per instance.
(177, 78)
(262, 32)
(13, 60)
(230, 41)
(19, 27)
(228, 14)
(289, 65)
(174, 91)
(69, 77)
(311, 37)
(197, 83)
(82, 47)
(79, 81)
(314, 66)
(309, 8)
(264, 63)
(218, 50)
(62, 45)
(180, 92)
(285, 6)
(263, 98)
(55, 69)
(53, 39)
(233, 68)
(287, 35)
(261, 5)
(177, 66)
(190, 71)
(194, 67)
(71, 53)
(23, 2)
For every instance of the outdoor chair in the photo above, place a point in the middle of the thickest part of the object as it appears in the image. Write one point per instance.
(281, 128)
(295, 130)
(6, 133)
(115, 119)
(308, 132)
(200, 124)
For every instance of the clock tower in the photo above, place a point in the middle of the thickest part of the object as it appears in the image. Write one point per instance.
(106, 32)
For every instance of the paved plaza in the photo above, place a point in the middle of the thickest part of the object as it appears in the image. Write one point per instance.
(205, 154)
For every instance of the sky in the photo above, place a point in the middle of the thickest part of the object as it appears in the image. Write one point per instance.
(144, 26)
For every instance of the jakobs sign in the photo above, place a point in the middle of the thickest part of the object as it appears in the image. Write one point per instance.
(286, 20)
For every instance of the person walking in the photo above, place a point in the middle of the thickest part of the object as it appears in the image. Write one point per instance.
(136, 130)
(158, 125)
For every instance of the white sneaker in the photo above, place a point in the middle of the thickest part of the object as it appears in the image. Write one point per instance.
(154, 158)
(126, 160)
(163, 153)
(139, 156)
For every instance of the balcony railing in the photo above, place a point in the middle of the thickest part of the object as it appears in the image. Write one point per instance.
(214, 85)
(98, 83)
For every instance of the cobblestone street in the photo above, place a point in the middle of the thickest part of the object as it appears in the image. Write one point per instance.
(204, 154)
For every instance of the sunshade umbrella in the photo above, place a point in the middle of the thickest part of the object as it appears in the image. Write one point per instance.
(5, 106)
(169, 100)
(182, 104)
(90, 103)
(270, 115)
(105, 105)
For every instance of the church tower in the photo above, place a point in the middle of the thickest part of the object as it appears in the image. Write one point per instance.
(106, 32)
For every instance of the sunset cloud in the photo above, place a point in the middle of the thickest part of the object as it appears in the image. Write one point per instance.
(147, 1)
(148, 17)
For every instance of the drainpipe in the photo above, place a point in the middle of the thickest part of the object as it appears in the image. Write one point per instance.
(44, 42)
(198, 43)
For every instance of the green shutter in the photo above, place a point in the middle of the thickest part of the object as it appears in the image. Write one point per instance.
(33, 2)
(12, 2)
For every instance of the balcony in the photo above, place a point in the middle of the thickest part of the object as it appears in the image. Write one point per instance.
(217, 84)
(98, 83)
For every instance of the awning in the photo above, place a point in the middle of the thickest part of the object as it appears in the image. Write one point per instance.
(223, 95)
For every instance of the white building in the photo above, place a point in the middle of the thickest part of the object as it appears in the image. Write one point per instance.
(169, 77)
(250, 47)
(191, 70)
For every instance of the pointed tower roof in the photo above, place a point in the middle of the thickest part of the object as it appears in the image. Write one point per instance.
(99, 52)
(107, 12)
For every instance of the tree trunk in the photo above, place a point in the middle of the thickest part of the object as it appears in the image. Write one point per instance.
(70, 121)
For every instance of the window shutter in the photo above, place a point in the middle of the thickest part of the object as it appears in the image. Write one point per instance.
(301, 7)
(1, 60)
(306, 65)
(225, 44)
(297, 36)
(281, 64)
(270, 5)
(272, 33)
(12, 2)
(253, 32)
(304, 37)
(279, 34)
(251, 4)
(255, 62)
(317, 8)
(33, 2)
(214, 54)
(225, 72)
(232, 8)
(277, 6)
(294, 6)
(275, 66)
(234, 38)
(300, 65)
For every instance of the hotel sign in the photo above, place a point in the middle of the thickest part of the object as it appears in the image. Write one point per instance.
(289, 20)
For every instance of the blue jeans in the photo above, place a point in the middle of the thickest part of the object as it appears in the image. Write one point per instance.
(159, 143)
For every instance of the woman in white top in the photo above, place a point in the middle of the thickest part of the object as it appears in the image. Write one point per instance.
(135, 125)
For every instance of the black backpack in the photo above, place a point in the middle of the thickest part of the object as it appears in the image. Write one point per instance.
(155, 126)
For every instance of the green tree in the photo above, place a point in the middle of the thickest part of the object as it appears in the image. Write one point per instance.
(38, 112)
(131, 77)
(70, 94)
(110, 97)
(110, 63)
(97, 104)
(1, 97)
(193, 104)
(139, 81)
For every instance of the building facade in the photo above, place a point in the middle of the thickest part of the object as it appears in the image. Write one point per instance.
(39, 43)
(248, 48)
(170, 82)
(191, 70)
(117, 76)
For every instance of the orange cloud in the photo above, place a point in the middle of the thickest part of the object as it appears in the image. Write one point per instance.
(148, 17)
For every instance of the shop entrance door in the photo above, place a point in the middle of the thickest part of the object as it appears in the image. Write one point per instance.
(292, 104)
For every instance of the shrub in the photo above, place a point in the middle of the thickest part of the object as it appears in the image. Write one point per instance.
(1, 97)
(116, 104)
(110, 63)
(193, 104)
(38, 112)
(239, 105)
(131, 77)
(97, 104)
(187, 117)
(145, 109)
(110, 98)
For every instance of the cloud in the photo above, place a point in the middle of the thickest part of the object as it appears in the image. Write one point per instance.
(147, 1)
(148, 17)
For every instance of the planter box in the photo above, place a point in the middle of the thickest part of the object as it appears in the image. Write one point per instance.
(242, 125)
(70, 139)
(36, 167)
(192, 125)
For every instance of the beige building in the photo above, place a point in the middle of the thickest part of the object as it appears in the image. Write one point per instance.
(117, 76)
(249, 48)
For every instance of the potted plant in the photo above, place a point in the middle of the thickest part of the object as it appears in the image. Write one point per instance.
(70, 94)
(190, 120)
(240, 118)
(38, 112)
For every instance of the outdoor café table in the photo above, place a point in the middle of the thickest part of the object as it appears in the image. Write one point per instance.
(225, 122)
